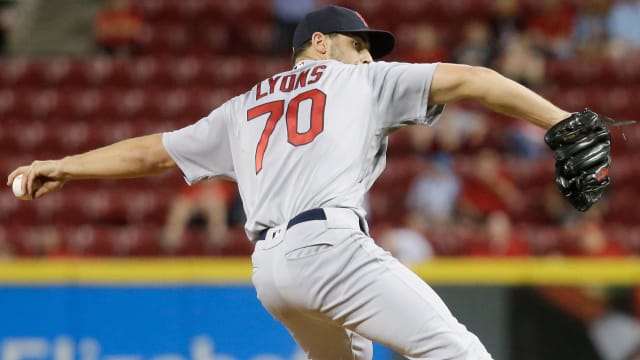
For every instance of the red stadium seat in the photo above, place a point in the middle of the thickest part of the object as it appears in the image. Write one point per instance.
(448, 243)
(73, 137)
(243, 9)
(543, 240)
(148, 206)
(205, 101)
(89, 103)
(626, 236)
(212, 37)
(573, 72)
(257, 36)
(21, 72)
(191, 9)
(59, 72)
(184, 70)
(51, 209)
(237, 244)
(627, 74)
(616, 100)
(86, 240)
(12, 210)
(143, 71)
(96, 71)
(170, 38)
(168, 104)
(133, 103)
(28, 136)
(8, 103)
(133, 241)
(99, 205)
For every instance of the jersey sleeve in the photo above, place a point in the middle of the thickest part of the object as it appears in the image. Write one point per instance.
(401, 92)
(202, 150)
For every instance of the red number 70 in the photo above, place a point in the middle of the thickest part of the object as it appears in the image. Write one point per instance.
(275, 109)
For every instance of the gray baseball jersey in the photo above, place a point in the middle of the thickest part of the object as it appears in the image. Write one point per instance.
(316, 137)
(312, 137)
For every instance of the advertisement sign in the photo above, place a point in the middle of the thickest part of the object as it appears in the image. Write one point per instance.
(168, 322)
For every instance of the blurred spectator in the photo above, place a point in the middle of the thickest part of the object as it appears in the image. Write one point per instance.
(590, 30)
(636, 302)
(499, 239)
(43, 241)
(118, 28)
(475, 47)
(488, 188)
(612, 329)
(590, 238)
(556, 208)
(426, 46)
(525, 140)
(506, 21)
(623, 26)
(551, 23)
(521, 62)
(614, 333)
(288, 14)
(6, 249)
(203, 205)
(408, 244)
(459, 129)
(7, 17)
(434, 192)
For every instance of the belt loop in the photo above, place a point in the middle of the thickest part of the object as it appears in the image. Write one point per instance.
(345, 218)
(364, 225)
(308, 215)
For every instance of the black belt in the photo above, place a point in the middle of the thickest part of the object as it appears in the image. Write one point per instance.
(309, 215)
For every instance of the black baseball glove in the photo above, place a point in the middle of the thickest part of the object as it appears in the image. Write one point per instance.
(581, 145)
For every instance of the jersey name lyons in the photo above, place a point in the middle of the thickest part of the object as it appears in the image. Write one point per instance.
(290, 82)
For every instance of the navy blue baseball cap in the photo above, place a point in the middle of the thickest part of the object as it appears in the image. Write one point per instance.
(337, 19)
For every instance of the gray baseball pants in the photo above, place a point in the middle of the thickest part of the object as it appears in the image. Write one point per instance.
(335, 290)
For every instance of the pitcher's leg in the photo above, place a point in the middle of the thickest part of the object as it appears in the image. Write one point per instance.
(393, 306)
(323, 339)
(333, 287)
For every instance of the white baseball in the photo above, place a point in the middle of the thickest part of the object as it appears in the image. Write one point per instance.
(17, 188)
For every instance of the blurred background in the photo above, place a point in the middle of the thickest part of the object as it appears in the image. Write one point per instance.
(78, 74)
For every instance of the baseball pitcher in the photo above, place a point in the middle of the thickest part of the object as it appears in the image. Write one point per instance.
(304, 146)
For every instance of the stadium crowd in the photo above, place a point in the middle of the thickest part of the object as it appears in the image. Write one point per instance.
(476, 184)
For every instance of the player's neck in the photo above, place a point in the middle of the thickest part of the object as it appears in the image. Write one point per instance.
(306, 58)
(302, 59)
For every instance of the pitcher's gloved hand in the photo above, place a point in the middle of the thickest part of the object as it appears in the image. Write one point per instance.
(581, 145)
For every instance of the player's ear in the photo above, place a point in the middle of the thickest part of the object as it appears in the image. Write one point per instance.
(319, 42)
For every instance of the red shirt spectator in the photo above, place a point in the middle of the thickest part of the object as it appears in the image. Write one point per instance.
(551, 23)
(118, 28)
(426, 46)
(488, 189)
(499, 239)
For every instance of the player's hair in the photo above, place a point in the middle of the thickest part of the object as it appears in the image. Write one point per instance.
(300, 49)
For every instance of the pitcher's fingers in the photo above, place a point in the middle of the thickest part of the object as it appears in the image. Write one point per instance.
(46, 188)
(30, 177)
(15, 173)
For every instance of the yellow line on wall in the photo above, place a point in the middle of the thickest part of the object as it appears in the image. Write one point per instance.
(126, 271)
(623, 271)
